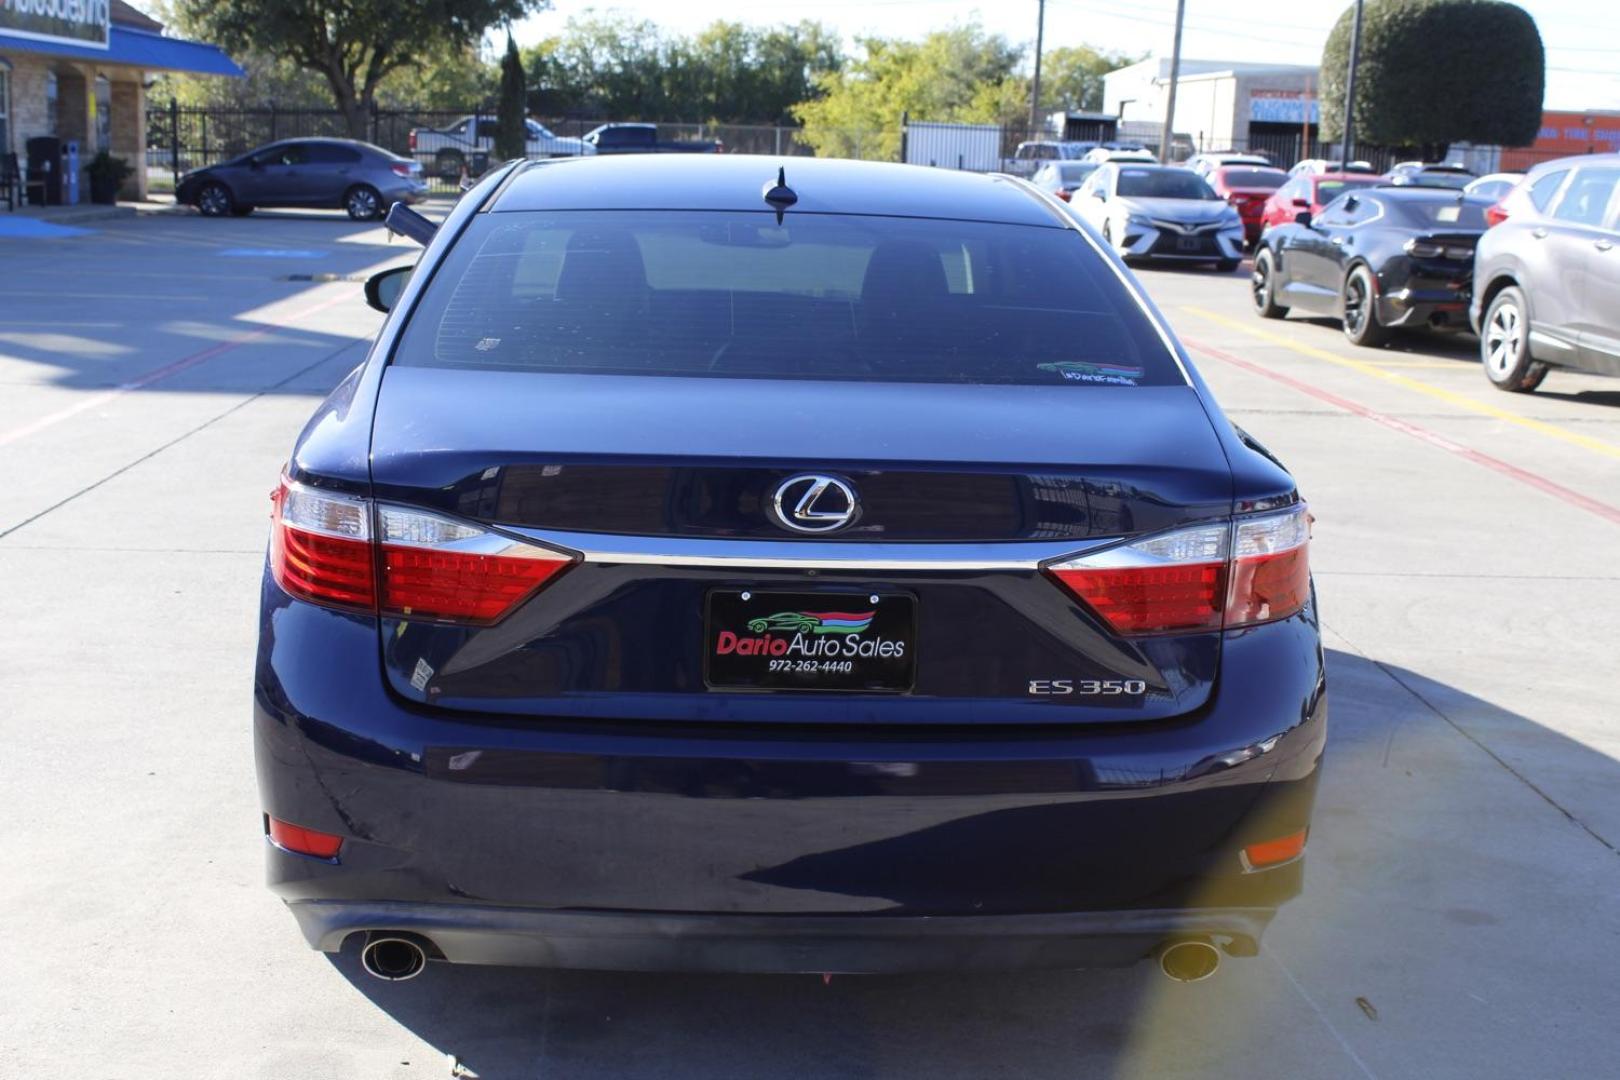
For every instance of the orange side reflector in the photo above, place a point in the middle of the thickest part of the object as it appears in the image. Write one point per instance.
(303, 841)
(1271, 852)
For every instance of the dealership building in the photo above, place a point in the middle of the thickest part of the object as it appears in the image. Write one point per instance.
(77, 71)
(1220, 104)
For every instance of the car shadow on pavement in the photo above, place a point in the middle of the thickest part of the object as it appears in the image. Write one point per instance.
(1403, 750)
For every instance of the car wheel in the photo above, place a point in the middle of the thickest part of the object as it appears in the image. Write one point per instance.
(1361, 323)
(363, 203)
(1504, 346)
(1263, 286)
(448, 163)
(241, 211)
(214, 200)
(1226, 266)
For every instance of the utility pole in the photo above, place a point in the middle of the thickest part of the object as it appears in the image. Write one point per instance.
(1175, 74)
(1035, 86)
(1350, 85)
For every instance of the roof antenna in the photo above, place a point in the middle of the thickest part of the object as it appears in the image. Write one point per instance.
(780, 196)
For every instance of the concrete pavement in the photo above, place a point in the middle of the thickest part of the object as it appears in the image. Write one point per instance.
(1462, 914)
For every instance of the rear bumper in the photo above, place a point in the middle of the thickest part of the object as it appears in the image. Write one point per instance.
(635, 941)
(1420, 303)
(604, 843)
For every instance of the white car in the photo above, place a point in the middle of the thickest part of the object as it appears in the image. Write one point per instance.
(1103, 154)
(470, 141)
(1204, 164)
(1151, 211)
(1494, 185)
(1312, 166)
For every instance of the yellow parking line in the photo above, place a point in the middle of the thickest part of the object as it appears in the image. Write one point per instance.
(1462, 401)
(1453, 365)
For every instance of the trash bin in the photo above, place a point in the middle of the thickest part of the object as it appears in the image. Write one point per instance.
(45, 166)
(70, 173)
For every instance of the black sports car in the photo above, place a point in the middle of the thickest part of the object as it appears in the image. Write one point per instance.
(1378, 259)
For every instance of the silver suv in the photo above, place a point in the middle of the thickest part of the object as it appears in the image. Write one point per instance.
(1547, 280)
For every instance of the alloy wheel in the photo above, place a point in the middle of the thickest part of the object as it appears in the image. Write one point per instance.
(362, 204)
(1503, 339)
(1355, 304)
(214, 200)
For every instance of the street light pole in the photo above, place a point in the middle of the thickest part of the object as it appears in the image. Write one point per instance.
(1350, 85)
(1175, 74)
(1035, 86)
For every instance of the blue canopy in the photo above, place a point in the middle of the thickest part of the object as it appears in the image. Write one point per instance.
(135, 48)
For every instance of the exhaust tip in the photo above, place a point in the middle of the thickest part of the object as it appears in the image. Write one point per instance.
(1189, 961)
(392, 959)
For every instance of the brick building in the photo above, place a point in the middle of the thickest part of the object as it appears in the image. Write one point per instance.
(78, 69)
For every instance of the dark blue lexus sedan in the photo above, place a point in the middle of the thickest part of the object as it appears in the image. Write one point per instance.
(722, 563)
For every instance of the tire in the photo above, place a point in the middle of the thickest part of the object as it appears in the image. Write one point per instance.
(1504, 345)
(241, 211)
(363, 203)
(448, 163)
(1361, 323)
(1226, 266)
(214, 200)
(1262, 286)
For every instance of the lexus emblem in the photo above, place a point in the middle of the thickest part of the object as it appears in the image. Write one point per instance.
(814, 503)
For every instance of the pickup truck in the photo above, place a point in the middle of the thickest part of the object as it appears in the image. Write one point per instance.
(643, 139)
(471, 140)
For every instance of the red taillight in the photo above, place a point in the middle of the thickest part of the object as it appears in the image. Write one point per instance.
(1495, 215)
(1066, 194)
(410, 141)
(421, 566)
(401, 168)
(320, 546)
(1208, 577)
(304, 841)
(1269, 853)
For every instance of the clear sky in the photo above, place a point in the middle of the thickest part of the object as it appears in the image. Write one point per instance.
(1582, 36)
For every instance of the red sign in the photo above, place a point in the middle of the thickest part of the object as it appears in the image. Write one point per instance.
(1566, 133)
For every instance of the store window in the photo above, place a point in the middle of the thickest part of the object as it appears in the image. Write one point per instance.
(103, 113)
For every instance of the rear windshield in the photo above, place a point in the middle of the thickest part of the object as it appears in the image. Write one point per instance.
(1163, 184)
(1270, 179)
(1461, 213)
(691, 293)
(1076, 174)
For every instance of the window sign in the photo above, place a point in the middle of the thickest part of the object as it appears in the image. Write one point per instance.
(70, 22)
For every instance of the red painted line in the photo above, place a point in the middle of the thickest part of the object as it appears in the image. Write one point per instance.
(1540, 483)
(157, 374)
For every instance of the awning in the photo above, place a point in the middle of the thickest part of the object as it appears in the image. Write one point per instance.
(135, 48)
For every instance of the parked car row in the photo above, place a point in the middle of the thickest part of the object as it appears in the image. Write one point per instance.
(1529, 263)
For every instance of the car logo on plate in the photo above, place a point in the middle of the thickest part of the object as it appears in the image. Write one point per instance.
(814, 503)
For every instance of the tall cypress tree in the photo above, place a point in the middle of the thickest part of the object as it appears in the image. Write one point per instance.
(510, 133)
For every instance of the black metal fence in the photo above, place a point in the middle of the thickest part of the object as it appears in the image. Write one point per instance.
(182, 137)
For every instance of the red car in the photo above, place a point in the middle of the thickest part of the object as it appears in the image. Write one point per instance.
(1311, 192)
(1247, 187)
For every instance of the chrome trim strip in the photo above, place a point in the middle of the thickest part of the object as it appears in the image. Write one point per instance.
(842, 555)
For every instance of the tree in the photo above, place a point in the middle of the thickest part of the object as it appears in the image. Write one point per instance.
(1435, 72)
(1072, 77)
(511, 133)
(352, 45)
(627, 68)
(961, 74)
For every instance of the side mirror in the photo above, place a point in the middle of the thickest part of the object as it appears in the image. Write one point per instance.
(383, 288)
(1303, 218)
